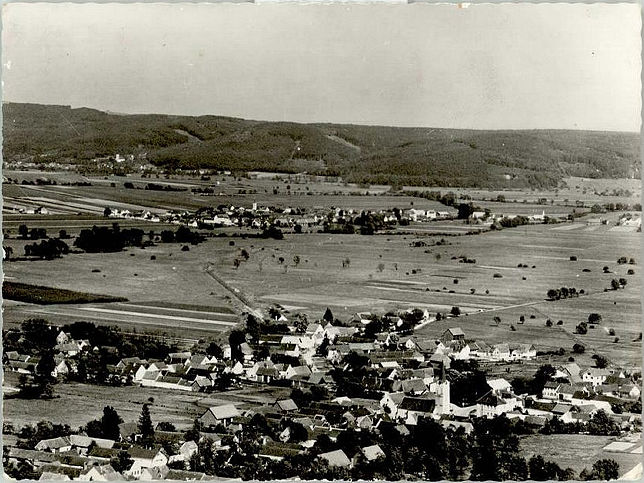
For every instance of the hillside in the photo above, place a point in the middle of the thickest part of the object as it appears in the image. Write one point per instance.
(368, 154)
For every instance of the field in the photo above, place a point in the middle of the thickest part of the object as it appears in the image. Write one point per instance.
(385, 272)
(37, 294)
(579, 451)
(80, 403)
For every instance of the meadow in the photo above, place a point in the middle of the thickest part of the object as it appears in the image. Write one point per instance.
(305, 273)
(577, 451)
(80, 403)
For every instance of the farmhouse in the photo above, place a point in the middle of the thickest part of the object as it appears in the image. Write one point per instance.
(336, 458)
(219, 415)
(595, 376)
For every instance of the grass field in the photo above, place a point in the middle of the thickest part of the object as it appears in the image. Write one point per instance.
(80, 403)
(385, 273)
(576, 451)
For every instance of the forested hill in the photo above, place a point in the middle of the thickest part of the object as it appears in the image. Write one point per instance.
(369, 154)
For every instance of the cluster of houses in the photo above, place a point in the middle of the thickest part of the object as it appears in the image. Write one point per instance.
(408, 375)
(64, 350)
(260, 217)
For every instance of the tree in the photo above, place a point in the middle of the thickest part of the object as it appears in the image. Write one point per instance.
(110, 423)
(581, 328)
(296, 260)
(456, 311)
(45, 366)
(541, 470)
(122, 462)
(600, 361)
(23, 231)
(614, 284)
(328, 315)
(594, 318)
(107, 211)
(253, 328)
(605, 469)
(166, 426)
(145, 425)
(215, 350)
(300, 322)
(578, 348)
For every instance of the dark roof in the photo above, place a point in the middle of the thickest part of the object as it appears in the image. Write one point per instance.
(491, 399)
(418, 404)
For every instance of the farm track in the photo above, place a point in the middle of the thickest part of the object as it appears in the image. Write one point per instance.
(236, 294)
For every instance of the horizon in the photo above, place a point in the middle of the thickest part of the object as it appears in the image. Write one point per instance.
(313, 123)
(485, 67)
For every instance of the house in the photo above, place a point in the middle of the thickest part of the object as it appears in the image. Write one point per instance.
(100, 473)
(264, 371)
(595, 376)
(285, 405)
(336, 458)
(522, 351)
(455, 425)
(179, 357)
(413, 408)
(453, 334)
(49, 476)
(145, 458)
(363, 317)
(219, 415)
(301, 372)
(60, 444)
(154, 473)
(570, 371)
(246, 351)
(62, 338)
(551, 390)
(61, 369)
(414, 387)
(499, 385)
(318, 378)
(372, 453)
(68, 348)
(491, 404)
(186, 450)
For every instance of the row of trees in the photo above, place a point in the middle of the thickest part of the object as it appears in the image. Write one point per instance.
(47, 249)
(564, 293)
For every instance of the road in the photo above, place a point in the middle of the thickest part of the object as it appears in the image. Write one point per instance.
(233, 292)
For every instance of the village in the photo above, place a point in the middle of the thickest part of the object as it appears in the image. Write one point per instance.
(362, 375)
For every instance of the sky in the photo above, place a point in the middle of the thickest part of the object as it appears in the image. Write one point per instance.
(510, 66)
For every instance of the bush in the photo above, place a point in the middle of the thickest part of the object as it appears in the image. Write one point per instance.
(594, 318)
(185, 248)
(573, 258)
(497, 275)
(578, 348)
